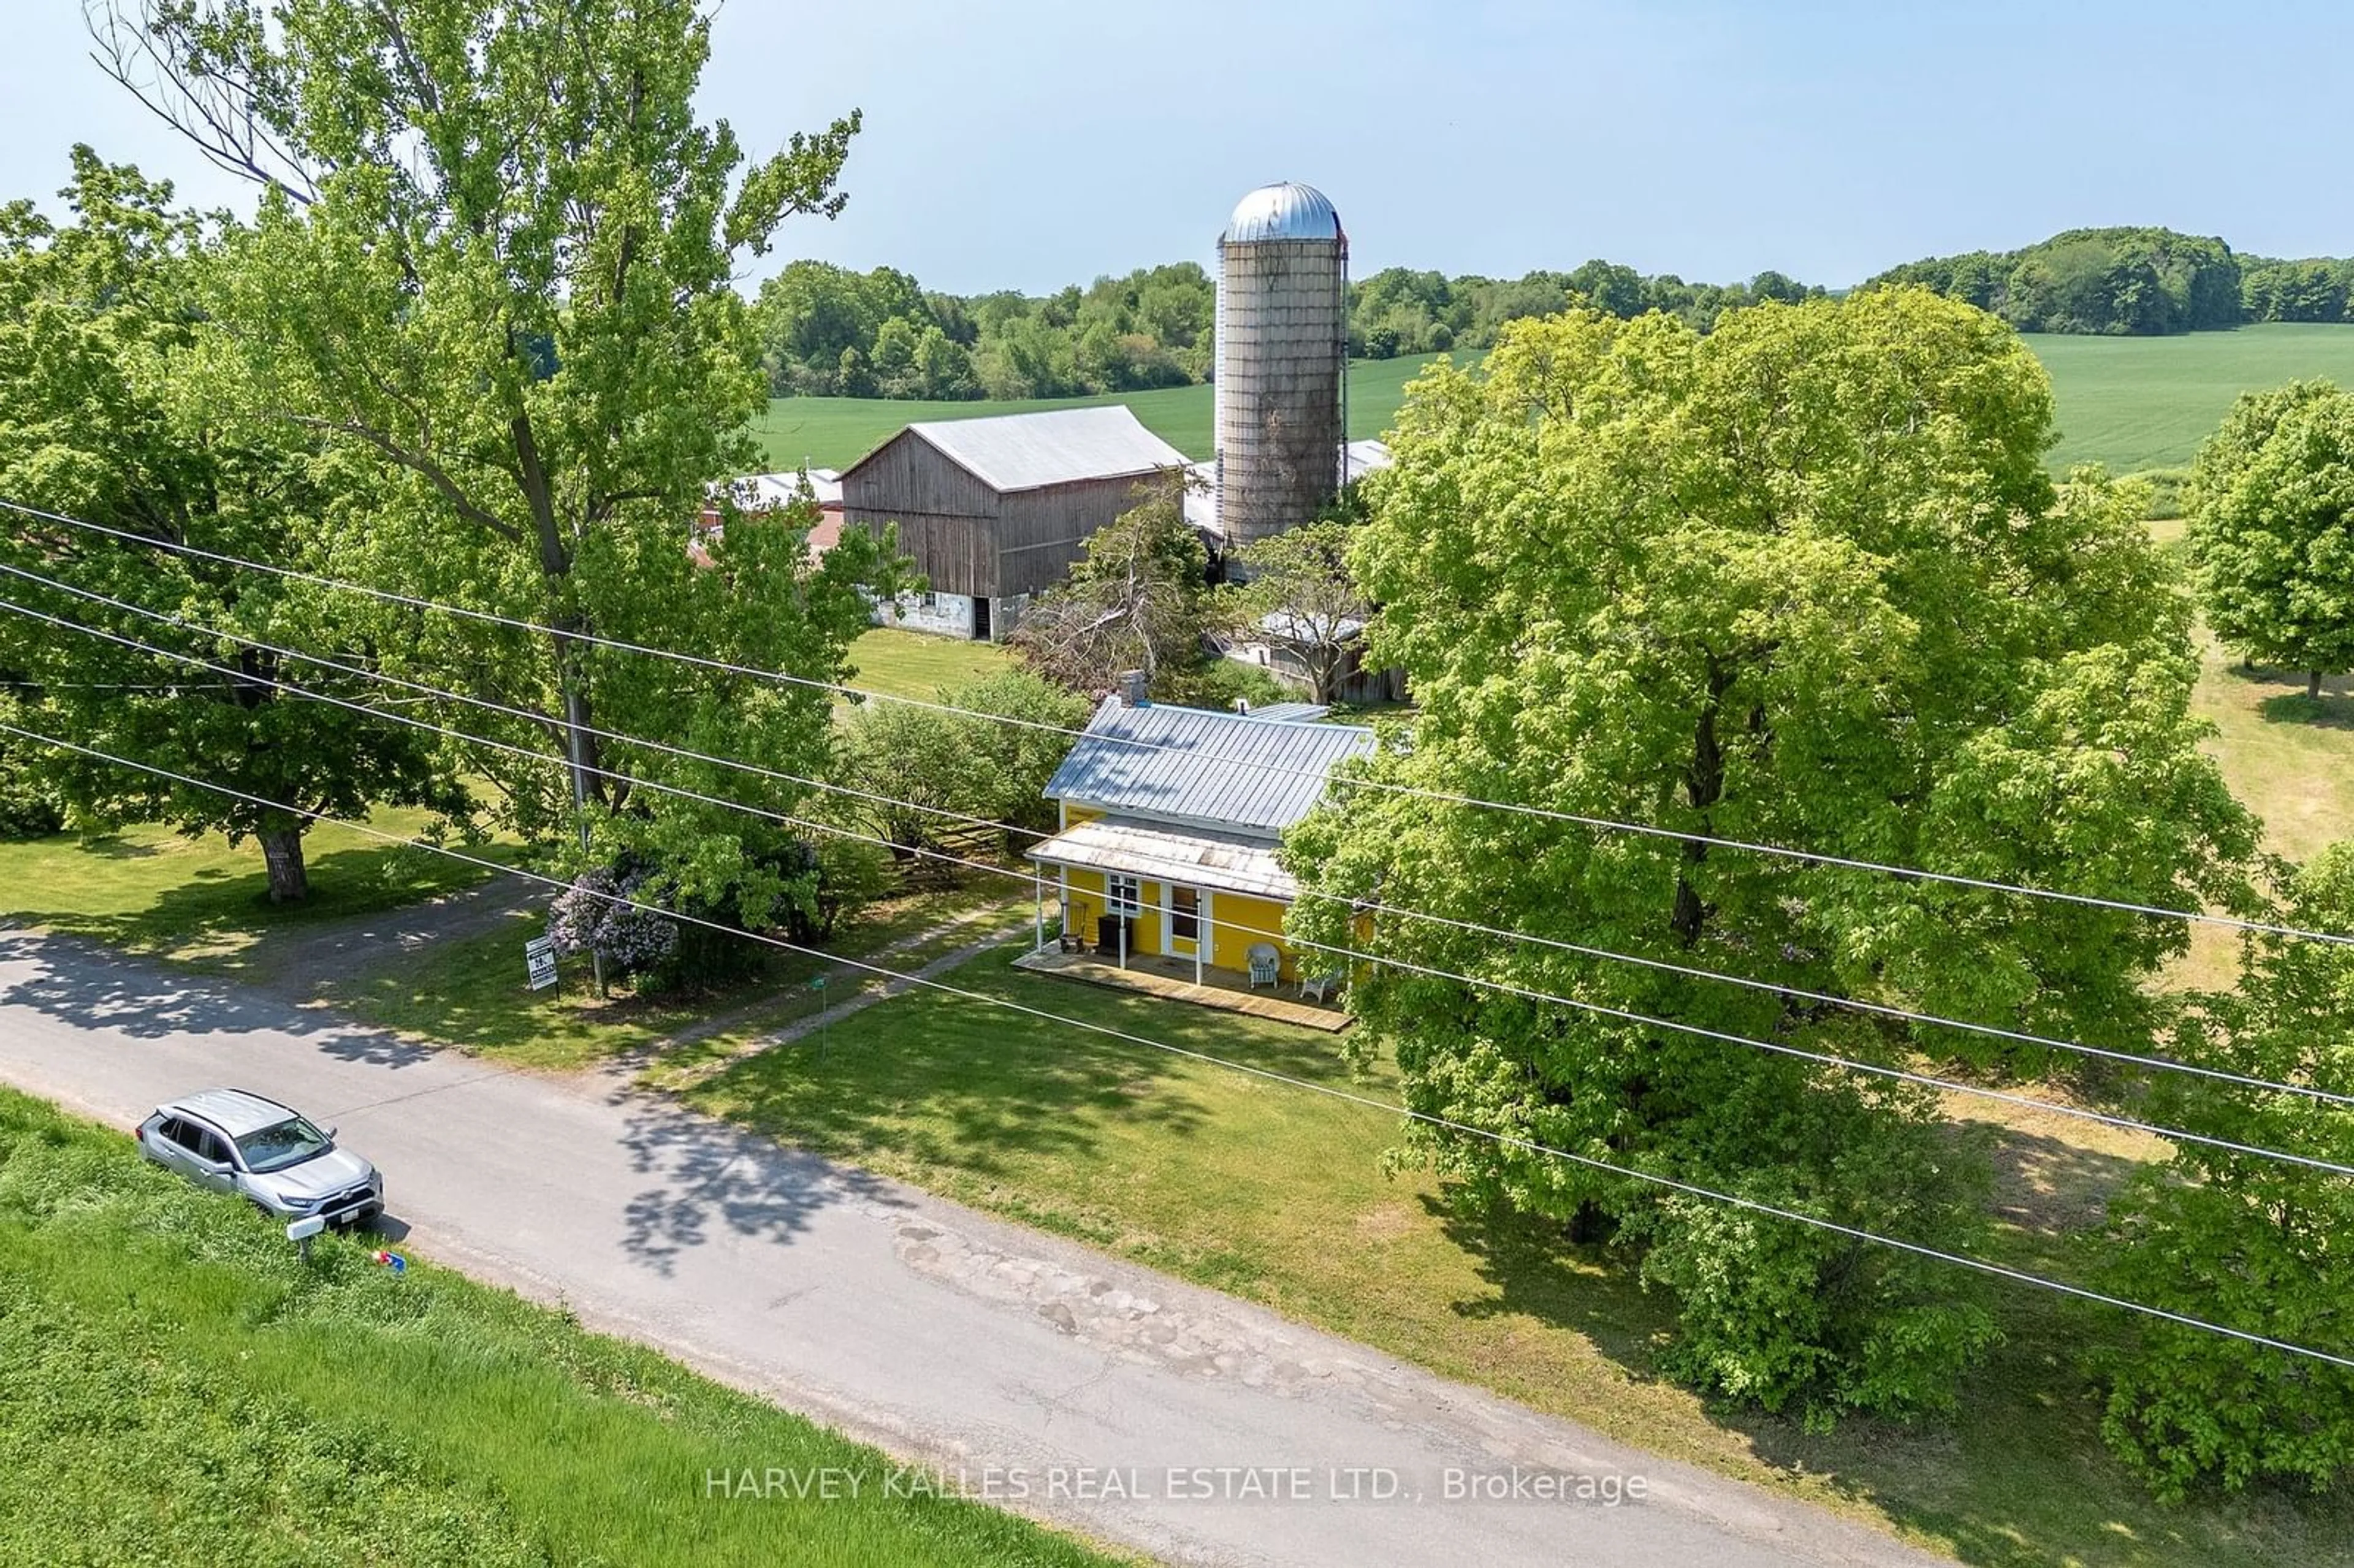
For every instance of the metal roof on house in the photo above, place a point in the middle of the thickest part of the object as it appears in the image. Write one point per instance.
(1251, 775)
(1055, 446)
(1196, 857)
(1286, 211)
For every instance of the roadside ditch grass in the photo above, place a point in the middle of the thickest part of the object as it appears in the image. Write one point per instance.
(180, 1388)
(1280, 1196)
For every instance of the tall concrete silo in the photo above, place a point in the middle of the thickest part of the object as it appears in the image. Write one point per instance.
(1283, 357)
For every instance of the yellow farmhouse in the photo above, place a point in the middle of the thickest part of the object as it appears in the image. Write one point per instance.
(1171, 819)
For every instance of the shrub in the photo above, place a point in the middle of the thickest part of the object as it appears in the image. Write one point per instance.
(631, 938)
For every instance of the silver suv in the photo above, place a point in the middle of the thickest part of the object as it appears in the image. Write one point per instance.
(232, 1141)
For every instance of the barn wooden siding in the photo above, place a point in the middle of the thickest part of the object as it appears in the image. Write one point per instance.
(966, 538)
(947, 517)
(1040, 531)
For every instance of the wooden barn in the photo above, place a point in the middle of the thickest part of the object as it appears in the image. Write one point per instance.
(993, 510)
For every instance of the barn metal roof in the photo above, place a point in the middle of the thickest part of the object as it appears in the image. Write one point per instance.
(1196, 857)
(767, 492)
(1055, 446)
(1237, 771)
(1286, 211)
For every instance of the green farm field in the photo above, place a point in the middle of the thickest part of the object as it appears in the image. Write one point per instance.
(2137, 403)
(835, 432)
(2134, 403)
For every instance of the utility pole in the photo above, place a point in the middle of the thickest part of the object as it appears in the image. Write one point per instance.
(580, 770)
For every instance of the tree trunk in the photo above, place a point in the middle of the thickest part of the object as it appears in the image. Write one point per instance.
(2313, 685)
(282, 852)
(1704, 787)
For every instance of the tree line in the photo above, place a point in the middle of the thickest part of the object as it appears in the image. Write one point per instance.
(2134, 282)
(829, 332)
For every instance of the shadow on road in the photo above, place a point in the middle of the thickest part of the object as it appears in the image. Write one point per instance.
(711, 1180)
(83, 985)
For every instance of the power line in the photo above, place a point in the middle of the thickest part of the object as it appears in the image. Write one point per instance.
(1695, 1031)
(488, 704)
(1596, 824)
(1368, 905)
(1268, 1074)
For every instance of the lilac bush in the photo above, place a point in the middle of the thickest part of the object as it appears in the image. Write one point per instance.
(631, 938)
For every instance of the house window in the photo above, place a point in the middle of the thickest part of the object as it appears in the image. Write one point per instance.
(1184, 914)
(1121, 894)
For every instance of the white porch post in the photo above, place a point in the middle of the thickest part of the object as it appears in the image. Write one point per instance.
(1038, 886)
(1208, 926)
(1201, 929)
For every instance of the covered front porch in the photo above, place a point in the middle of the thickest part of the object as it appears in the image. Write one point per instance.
(1181, 979)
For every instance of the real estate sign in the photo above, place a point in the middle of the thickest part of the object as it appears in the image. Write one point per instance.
(539, 961)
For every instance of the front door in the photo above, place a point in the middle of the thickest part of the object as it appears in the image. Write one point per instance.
(1184, 922)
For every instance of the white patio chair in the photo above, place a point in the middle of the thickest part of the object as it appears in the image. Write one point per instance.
(1266, 965)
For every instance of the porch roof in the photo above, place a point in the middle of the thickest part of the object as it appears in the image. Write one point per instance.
(1196, 857)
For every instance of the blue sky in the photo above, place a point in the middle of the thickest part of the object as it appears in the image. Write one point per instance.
(1026, 144)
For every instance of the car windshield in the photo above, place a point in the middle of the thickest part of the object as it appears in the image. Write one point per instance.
(288, 1142)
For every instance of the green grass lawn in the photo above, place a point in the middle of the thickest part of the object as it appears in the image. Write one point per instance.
(179, 1388)
(470, 992)
(2137, 403)
(149, 890)
(835, 432)
(1279, 1195)
(914, 665)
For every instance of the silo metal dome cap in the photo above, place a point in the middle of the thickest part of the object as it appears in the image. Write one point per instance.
(1286, 211)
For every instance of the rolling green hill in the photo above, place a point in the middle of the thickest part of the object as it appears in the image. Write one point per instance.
(2133, 403)
(835, 432)
(2137, 403)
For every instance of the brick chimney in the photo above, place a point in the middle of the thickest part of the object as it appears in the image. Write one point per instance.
(1132, 692)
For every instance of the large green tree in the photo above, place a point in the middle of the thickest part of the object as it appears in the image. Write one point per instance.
(493, 260)
(2258, 1244)
(1296, 594)
(1803, 580)
(102, 417)
(2271, 502)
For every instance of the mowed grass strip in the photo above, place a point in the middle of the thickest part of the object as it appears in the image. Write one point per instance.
(835, 432)
(179, 1387)
(1279, 1195)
